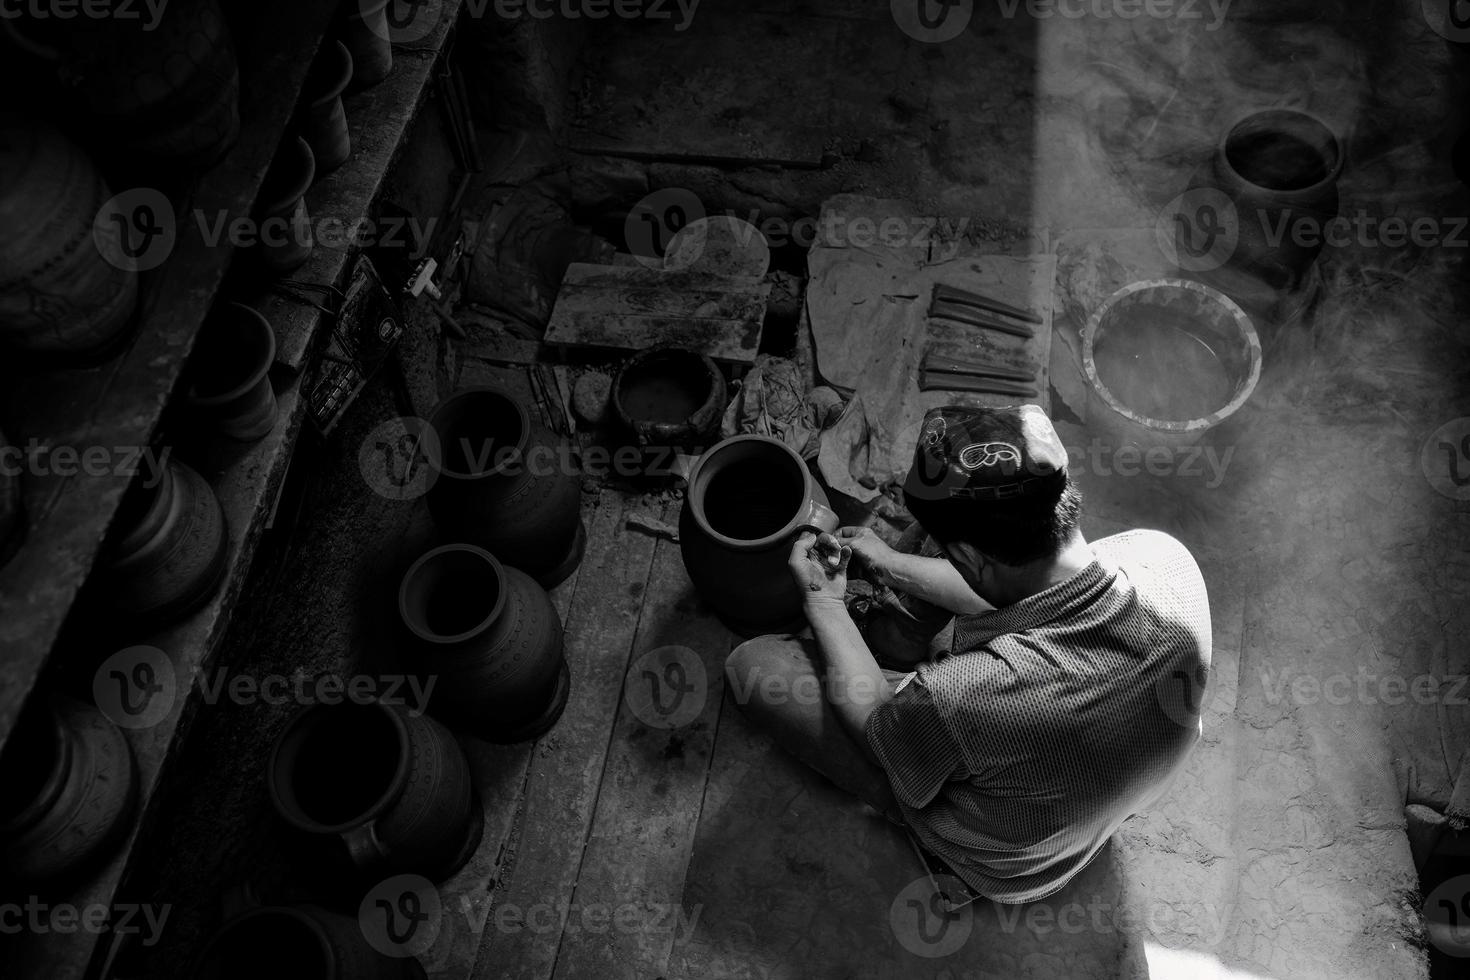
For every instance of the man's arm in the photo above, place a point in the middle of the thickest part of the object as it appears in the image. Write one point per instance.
(855, 684)
(934, 580)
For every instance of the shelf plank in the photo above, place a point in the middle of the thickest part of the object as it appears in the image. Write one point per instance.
(119, 404)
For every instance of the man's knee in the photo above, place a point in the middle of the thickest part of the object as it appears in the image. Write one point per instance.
(766, 671)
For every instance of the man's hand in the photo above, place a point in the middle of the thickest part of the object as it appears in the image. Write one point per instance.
(874, 556)
(819, 565)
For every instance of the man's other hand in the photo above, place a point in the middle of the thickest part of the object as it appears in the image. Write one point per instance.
(873, 554)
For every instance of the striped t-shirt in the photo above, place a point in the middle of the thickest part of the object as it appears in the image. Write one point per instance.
(1053, 720)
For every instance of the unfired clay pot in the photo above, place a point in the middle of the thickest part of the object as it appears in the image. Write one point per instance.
(167, 556)
(666, 396)
(380, 784)
(491, 637)
(322, 119)
(748, 499)
(285, 223)
(505, 483)
(70, 788)
(230, 373)
(366, 35)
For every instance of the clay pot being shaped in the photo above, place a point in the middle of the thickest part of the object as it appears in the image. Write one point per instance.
(367, 38)
(668, 397)
(384, 787)
(163, 91)
(286, 238)
(505, 483)
(491, 637)
(231, 385)
(323, 120)
(1278, 170)
(70, 788)
(12, 510)
(166, 558)
(748, 499)
(304, 942)
(59, 293)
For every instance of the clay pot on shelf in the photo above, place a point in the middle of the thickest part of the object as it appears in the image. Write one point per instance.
(163, 92)
(167, 555)
(59, 293)
(384, 787)
(70, 788)
(669, 397)
(505, 483)
(300, 941)
(285, 224)
(1278, 169)
(367, 37)
(231, 385)
(748, 499)
(12, 510)
(323, 120)
(491, 637)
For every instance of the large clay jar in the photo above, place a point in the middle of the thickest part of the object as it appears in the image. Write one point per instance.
(490, 638)
(168, 553)
(1278, 168)
(505, 483)
(12, 510)
(303, 942)
(163, 91)
(382, 785)
(58, 293)
(748, 499)
(70, 788)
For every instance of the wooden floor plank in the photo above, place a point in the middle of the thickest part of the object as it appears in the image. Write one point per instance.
(525, 922)
(500, 773)
(627, 900)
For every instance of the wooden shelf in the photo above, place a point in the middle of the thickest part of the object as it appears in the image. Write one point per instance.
(246, 483)
(119, 404)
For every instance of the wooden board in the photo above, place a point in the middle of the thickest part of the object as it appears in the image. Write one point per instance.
(566, 769)
(652, 789)
(622, 308)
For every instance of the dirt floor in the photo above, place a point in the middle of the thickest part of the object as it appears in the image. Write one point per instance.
(1328, 550)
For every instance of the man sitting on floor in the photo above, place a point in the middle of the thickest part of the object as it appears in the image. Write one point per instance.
(1071, 694)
